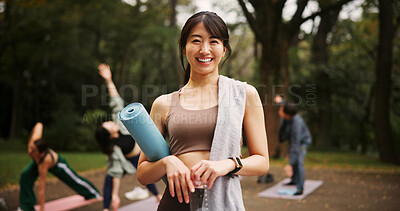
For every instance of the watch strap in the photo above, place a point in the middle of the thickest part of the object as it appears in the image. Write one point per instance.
(238, 165)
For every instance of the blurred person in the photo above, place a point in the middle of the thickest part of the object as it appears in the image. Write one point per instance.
(46, 160)
(205, 134)
(294, 129)
(122, 150)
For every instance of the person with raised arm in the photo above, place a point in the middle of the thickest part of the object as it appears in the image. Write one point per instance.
(122, 150)
(46, 160)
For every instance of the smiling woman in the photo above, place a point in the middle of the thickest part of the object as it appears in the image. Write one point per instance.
(203, 52)
(204, 121)
(204, 38)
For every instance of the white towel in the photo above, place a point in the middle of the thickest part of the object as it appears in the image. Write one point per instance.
(226, 193)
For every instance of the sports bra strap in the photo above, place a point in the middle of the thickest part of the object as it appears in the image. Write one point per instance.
(47, 152)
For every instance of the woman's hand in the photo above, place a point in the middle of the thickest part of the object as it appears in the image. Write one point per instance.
(288, 170)
(178, 178)
(105, 72)
(207, 171)
(115, 203)
(278, 99)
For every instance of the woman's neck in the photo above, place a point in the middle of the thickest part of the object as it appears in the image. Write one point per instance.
(203, 80)
(200, 93)
(114, 135)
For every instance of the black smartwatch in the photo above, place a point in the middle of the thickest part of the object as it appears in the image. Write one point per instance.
(238, 165)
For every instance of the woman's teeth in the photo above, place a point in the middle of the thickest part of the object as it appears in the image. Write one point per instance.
(204, 60)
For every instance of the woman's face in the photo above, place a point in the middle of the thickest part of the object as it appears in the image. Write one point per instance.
(283, 114)
(33, 151)
(111, 127)
(203, 51)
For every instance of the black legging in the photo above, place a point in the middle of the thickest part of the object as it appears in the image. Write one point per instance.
(168, 203)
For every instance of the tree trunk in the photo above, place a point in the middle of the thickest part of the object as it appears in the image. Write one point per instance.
(272, 34)
(387, 150)
(320, 59)
(275, 36)
(14, 111)
(285, 76)
(122, 79)
(366, 121)
(15, 117)
(268, 68)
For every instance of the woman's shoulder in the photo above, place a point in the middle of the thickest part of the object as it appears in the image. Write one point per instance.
(252, 96)
(50, 158)
(250, 89)
(164, 101)
(162, 104)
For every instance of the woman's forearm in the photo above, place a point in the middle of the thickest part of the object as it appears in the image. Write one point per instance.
(36, 133)
(151, 172)
(254, 165)
(42, 191)
(112, 90)
(116, 184)
(41, 196)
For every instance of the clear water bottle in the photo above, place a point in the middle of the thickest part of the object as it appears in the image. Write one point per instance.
(198, 196)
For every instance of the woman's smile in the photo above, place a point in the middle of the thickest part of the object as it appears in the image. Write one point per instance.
(204, 51)
(204, 61)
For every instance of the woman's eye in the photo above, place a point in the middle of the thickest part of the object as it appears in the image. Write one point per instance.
(215, 42)
(196, 41)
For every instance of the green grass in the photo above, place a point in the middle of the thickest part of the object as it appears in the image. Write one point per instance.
(14, 158)
(12, 163)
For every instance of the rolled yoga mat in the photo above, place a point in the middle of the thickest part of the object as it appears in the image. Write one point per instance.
(142, 128)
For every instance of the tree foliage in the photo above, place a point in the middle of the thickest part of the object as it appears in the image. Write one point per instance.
(344, 71)
(351, 68)
(49, 56)
(50, 49)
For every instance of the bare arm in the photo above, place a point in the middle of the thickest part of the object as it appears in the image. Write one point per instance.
(105, 72)
(254, 126)
(115, 197)
(178, 174)
(43, 168)
(36, 133)
(151, 172)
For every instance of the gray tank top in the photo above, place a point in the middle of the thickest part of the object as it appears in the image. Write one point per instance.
(190, 130)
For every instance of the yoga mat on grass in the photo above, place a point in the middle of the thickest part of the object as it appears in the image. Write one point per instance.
(142, 128)
(287, 191)
(282, 191)
(67, 203)
(149, 204)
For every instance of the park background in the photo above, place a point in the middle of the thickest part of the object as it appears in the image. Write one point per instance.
(339, 60)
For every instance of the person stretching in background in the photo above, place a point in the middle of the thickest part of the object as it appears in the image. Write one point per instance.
(294, 129)
(46, 160)
(122, 150)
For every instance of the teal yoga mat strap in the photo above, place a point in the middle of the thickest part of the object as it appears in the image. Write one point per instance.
(142, 128)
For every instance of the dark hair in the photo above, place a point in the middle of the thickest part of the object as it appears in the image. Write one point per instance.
(104, 140)
(290, 108)
(214, 25)
(41, 145)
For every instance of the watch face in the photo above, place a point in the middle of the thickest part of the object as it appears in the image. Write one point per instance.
(239, 162)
